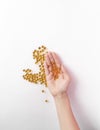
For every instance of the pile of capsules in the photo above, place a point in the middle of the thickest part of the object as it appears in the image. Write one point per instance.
(40, 77)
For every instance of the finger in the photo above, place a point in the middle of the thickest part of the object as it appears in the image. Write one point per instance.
(51, 57)
(65, 72)
(50, 77)
(49, 74)
(46, 68)
(56, 59)
(47, 60)
(63, 69)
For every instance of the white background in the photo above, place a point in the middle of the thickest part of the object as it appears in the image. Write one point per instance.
(69, 27)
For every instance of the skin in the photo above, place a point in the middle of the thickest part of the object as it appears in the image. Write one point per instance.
(58, 89)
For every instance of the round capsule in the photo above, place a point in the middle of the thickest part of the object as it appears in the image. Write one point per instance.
(43, 91)
(46, 100)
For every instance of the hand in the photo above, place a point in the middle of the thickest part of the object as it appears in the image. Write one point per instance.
(57, 86)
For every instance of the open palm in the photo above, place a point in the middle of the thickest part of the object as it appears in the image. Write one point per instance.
(56, 86)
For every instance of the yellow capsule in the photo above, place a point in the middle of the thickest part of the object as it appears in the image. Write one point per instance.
(43, 47)
(39, 47)
(30, 79)
(24, 76)
(24, 70)
(46, 100)
(43, 91)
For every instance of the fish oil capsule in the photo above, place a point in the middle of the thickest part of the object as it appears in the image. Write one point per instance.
(46, 100)
(39, 47)
(43, 91)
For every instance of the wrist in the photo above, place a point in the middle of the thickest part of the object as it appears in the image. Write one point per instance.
(62, 99)
(61, 96)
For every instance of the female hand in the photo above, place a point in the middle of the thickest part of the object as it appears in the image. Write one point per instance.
(57, 86)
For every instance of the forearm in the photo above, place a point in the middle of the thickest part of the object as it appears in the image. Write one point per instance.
(65, 115)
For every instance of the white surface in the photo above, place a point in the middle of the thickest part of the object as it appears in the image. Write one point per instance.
(69, 27)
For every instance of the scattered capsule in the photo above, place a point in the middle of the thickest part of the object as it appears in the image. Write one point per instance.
(46, 100)
(39, 47)
(43, 91)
